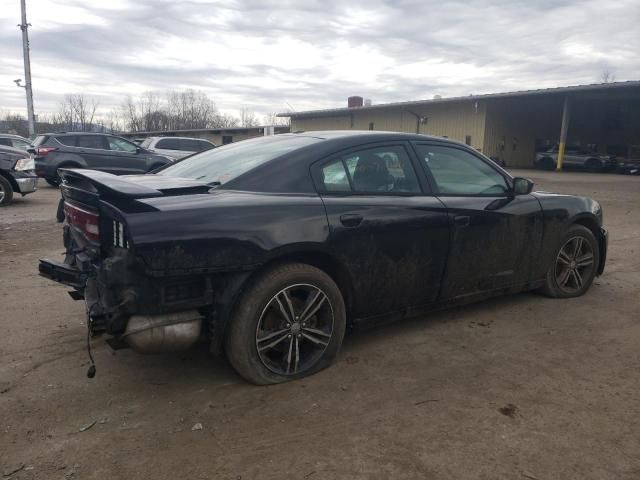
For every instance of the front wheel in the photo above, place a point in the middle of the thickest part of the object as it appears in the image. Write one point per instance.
(575, 264)
(6, 192)
(288, 324)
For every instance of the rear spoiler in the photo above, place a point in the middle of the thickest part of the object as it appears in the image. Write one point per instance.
(128, 186)
(104, 183)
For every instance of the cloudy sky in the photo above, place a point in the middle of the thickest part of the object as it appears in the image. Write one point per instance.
(271, 55)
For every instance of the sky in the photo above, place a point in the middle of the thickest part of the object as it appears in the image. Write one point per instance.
(277, 56)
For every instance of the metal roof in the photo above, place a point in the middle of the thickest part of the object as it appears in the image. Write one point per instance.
(594, 87)
(200, 130)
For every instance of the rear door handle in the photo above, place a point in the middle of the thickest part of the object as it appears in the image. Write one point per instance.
(462, 221)
(350, 219)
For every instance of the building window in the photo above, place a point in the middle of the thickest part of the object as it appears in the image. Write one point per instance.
(467, 140)
(371, 126)
(226, 139)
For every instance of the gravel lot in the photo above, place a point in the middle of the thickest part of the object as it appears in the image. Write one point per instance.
(522, 387)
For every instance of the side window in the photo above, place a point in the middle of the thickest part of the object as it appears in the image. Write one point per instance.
(334, 177)
(202, 146)
(458, 172)
(5, 141)
(120, 145)
(91, 141)
(375, 170)
(382, 169)
(21, 144)
(69, 140)
(168, 144)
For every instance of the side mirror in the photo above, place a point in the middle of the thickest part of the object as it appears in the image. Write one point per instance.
(522, 186)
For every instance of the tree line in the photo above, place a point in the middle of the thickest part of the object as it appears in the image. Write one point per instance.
(151, 111)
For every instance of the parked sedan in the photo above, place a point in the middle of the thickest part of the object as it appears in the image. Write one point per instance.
(272, 247)
(16, 174)
(176, 147)
(575, 157)
(15, 141)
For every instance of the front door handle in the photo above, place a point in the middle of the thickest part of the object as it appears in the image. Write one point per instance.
(462, 221)
(351, 219)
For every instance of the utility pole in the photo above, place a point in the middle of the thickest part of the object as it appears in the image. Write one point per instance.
(24, 26)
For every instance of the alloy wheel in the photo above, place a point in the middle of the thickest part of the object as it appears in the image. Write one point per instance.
(294, 329)
(574, 264)
(2, 193)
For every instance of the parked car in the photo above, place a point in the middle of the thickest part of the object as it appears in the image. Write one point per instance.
(575, 157)
(273, 246)
(630, 165)
(15, 141)
(176, 147)
(97, 151)
(17, 174)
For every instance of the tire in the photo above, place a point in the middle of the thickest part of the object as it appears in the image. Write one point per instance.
(593, 165)
(565, 260)
(6, 192)
(258, 308)
(547, 163)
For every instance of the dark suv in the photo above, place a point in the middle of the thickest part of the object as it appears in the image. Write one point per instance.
(96, 151)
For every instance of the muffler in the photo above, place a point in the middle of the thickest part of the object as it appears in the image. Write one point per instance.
(170, 332)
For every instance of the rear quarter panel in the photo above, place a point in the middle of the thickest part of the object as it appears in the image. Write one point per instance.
(224, 231)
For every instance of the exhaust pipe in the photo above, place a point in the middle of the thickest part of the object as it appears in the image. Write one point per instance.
(170, 332)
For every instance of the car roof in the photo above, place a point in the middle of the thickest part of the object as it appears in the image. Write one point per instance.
(179, 138)
(6, 149)
(65, 134)
(11, 135)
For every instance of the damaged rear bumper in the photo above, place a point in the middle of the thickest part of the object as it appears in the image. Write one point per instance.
(63, 273)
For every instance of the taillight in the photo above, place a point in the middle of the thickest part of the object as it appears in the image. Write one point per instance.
(42, 151)
(83, 220)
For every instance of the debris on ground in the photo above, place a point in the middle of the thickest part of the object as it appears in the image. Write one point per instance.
(88, 426)
(12, 470)
(509, 410)
(197, 426)
(529, 475)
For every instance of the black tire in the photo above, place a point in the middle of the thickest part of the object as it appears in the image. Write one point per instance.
(554, 286)
(593, 165)
(256, 305)
(547, 163)
(6, 192)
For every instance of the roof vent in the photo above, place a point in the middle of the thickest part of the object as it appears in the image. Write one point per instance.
(353, 102)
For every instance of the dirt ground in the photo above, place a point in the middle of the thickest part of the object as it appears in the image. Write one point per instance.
(522, 387)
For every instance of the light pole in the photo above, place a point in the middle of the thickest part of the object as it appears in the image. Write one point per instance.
(24, 26)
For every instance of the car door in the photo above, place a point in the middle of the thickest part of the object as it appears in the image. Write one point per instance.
(125, 157)
(496, 235)
(391, 234)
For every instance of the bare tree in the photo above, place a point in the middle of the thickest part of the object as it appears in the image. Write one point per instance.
(248, 118)
(75, 113)
(224, 120)
(607, 76)
(14, 123)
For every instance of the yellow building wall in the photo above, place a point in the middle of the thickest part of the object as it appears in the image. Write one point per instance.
(453, 120)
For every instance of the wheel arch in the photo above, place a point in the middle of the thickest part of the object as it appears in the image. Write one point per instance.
(590, 221)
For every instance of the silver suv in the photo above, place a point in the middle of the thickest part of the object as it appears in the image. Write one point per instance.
(15, 141)
(176, 147)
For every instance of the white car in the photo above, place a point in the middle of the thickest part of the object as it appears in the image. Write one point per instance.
(176, 147)
(15, 141)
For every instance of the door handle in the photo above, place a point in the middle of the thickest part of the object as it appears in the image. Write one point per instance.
(350, 219)
(462, 221)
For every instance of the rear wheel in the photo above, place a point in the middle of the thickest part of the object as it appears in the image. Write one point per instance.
(6, 192)
(288, 324)
(575, 264)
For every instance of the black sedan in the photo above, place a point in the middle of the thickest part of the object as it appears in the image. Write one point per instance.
(271, 248)
(17, 175)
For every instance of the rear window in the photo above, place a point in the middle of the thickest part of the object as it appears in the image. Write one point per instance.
(227, 162)
(40, 139)
(146, 142)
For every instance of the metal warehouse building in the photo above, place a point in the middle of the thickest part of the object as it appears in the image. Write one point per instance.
(510, 126)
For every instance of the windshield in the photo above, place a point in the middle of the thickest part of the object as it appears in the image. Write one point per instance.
(225, 163)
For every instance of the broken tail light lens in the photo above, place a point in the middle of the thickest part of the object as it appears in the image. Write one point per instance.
(83, 220)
